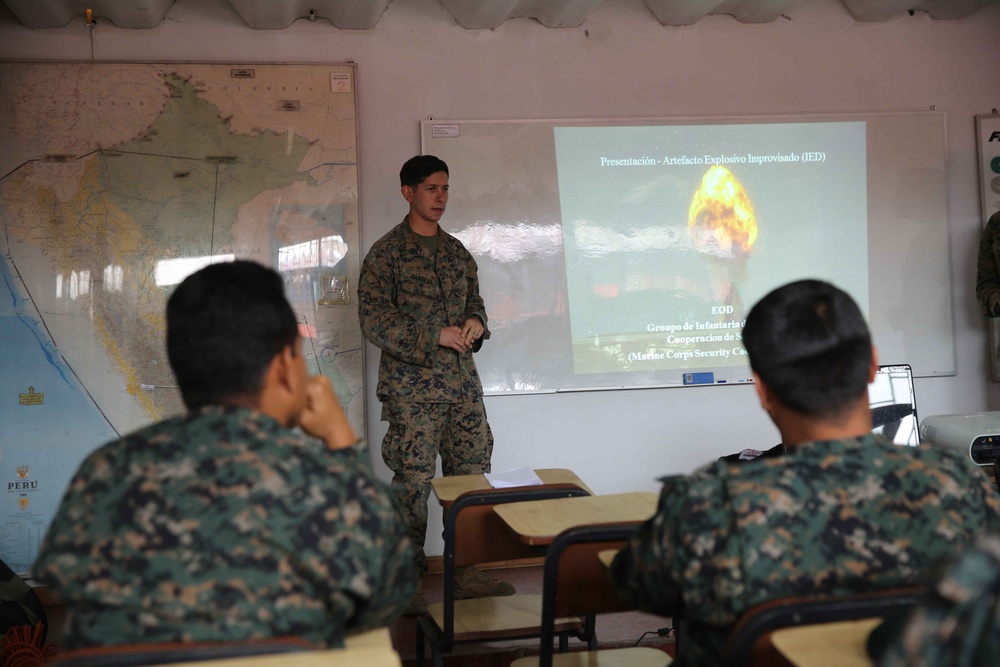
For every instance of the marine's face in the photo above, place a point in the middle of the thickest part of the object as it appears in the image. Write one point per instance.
(429, 199)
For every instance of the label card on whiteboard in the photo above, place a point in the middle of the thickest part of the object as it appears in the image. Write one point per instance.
(446, 131)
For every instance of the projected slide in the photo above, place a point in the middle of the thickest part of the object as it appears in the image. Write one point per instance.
(671, 233)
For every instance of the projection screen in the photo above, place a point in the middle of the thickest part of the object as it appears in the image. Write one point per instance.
(626, 253)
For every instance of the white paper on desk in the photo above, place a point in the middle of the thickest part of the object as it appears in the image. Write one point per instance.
(511, 478)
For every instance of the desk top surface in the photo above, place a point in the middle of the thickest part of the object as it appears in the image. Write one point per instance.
(377, 638)
(539, 521)
(607, 556)
(447, 489)
(841, 644)
(346, 657)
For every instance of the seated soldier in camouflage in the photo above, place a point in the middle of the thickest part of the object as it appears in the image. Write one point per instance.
(227, 523)
(842, 511)
(959, 625)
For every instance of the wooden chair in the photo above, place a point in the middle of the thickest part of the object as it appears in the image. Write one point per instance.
(140, 655)
(17, 612)
(750, 644)
(576, 583)
(474, 534)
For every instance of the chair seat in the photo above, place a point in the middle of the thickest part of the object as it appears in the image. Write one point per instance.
(498, 617)
(614, 657)
(750, 641)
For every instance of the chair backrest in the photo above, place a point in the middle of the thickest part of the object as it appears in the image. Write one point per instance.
(749, 641)
(575, 582)
(474, 534)
(19, 604)
(138, 655)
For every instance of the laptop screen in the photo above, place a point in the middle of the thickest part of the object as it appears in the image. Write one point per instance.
(894, 407)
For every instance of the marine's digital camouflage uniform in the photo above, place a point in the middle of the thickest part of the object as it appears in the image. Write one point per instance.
(960, 625)
(838, 516)
(988, 268)
(431, 395)
(225, 525)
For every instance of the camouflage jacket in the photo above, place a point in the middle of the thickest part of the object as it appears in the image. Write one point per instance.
(837, 516)
(404, 302)
(960, 624)
(988, 268)
(224, 525)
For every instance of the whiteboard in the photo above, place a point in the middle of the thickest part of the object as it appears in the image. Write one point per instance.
(625, 253)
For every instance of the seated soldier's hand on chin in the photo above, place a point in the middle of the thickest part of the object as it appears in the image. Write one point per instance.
(324, 417)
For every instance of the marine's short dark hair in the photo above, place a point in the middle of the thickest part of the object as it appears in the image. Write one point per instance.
(809, 343)
(416, 170)
(225, 323)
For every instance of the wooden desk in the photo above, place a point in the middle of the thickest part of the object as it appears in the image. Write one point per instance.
(834, 644)
(607, 556)
(447, 489)
(365, 649)
(345, 657)
(537, 522)
(377, 638)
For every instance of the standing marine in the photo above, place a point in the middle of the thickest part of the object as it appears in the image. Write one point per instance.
(419, 303)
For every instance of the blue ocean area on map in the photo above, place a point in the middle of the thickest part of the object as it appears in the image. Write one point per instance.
(50, 424)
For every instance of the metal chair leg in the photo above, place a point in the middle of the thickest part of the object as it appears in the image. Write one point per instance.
(420, 645)
(590, 631)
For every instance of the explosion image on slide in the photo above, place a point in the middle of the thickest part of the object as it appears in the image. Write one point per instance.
(721, 217)
(723, 229)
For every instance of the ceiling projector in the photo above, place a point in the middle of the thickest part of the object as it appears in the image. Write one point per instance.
(977, 435)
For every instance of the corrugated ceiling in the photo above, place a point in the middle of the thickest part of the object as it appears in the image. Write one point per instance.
(471, 14)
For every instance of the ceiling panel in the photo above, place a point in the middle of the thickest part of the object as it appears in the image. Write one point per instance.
(275, 14)
(953, 9)
(489, 14)
(59, 13)
(878, 10)
(757, 11)
(471, 14)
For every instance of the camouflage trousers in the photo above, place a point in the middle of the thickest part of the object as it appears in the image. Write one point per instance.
(418, 433)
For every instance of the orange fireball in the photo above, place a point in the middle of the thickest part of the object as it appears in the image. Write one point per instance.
(721, 218)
